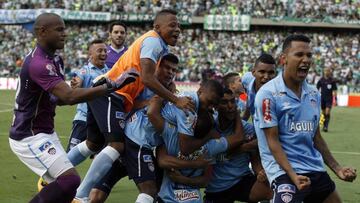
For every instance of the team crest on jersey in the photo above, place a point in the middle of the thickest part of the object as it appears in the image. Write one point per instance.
(186, 195)
(52, 151)
(52, 70)
(266, 110)
(286, 197)
(44, 146)
(286, 188)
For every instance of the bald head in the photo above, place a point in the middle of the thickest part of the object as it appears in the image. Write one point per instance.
(49, 29)
(45, 20)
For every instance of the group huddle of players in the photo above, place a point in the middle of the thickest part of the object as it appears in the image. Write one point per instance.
(171, 144)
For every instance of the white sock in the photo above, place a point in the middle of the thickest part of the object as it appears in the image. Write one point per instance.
(144, 198)
(84, 149)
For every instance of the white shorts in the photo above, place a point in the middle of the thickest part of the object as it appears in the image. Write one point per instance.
(43, 154)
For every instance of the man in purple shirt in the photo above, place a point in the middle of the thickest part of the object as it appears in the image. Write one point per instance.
(117, 35)
(41, 87)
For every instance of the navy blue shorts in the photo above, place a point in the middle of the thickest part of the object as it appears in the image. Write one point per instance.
(106, 117)
(238, 192)
(286, 192)
(140, 162)
(117, 171)
(326, 103)
(78, 134)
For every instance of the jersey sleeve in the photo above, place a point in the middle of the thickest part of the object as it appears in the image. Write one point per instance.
(185, 122)
(216, 146)
(151, 48)
(249, 129)
(82, 73)
(45, 75)
(265, 107)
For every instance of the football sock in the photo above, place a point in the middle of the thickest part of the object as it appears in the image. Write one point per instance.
(144, 198)
(79, 153)
(99, 167)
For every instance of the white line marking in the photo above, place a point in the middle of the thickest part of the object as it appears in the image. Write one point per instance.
(350, 153)
(6, 104)
(6, 110)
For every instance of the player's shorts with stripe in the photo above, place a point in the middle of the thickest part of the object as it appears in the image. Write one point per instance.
(106, 117)
(140, 162)
(43, 154)
(240, 192)
(286, 192)
(78, 134)
(117, 171)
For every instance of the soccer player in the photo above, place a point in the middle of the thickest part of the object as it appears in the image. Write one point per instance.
(232, 81)
(142, 55)
(327, 86)
(117, 35)
(232, 178)
(170, 122)
(84, 79)
(292, 149)
(262, 72)
(141, 138)
(41, 87)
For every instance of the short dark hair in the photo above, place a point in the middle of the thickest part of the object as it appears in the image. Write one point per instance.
(229, 78)
(170, 57)
(96, 41)
(111, 26)
(228, 91)
(164, 12)
(214, 86)
(265, 58)
(298, 38)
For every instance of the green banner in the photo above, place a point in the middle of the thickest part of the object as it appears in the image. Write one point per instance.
(184, 19)
(227, 22)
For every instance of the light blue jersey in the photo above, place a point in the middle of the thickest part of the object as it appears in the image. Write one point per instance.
(139, 129)
(246, 79)
(251, 93)
(229, 170)
(178, 122)
(153, 48)
(87, 74)
(241, 105)
(297, 121)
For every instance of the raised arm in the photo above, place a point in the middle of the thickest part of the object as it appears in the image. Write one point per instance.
(154, 113)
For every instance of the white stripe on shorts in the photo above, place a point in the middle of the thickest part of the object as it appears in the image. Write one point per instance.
(108, 115)
(139, 162)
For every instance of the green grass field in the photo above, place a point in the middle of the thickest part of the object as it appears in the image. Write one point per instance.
(18, 183)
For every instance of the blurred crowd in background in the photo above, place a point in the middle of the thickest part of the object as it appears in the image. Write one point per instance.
(315, 9)
(199, 50)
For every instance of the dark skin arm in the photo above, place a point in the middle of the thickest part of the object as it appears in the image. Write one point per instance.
(166, 161)
(70, 96)
(190, 144)
(344, 173)
(199, 181)
(149, 80)
(272, 137)
(153, 112)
